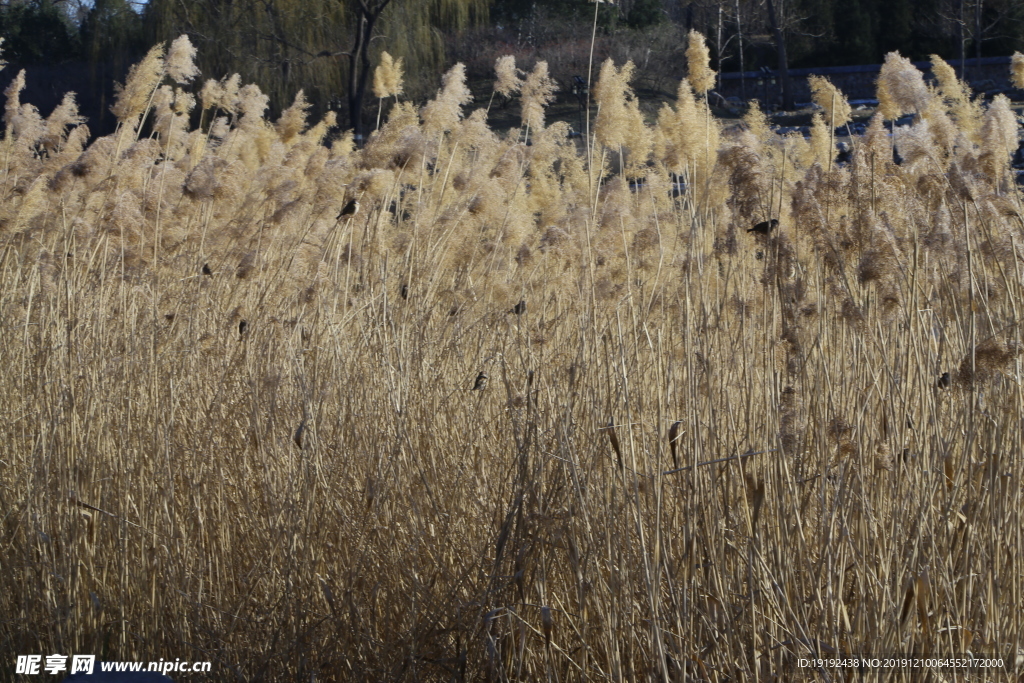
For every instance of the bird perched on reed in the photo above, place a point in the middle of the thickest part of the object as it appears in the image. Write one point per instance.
(610, 430)
(481, 381)
(765, 227)
(350, 209)
(206, 269)
(519, 308)
(944, 381)
(673, 435)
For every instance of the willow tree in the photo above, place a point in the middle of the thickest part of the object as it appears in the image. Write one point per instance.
(327, 48)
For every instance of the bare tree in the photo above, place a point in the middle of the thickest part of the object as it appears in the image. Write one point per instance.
(326, 47)
(778, 30)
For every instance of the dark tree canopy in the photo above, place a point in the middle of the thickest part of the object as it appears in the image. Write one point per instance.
(38, 32)
(328, 48)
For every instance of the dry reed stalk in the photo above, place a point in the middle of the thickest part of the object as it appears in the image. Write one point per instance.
(478, 532)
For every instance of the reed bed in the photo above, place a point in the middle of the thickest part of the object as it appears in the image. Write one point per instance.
(240, 427)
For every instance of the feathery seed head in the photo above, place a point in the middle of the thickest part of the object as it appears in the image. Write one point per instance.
(949, 85)
(211, 94)
(387, 77)
(611, 94)
(293, 119)
(698, 58)
(1017, 70)
(251, 103)
(63, 117)
(508, 82)
(820, 149)
(143, 78)
(180, 62)
(831, 99)
(538, 91)
(757, 122)
(444, 111)
(13, 95)
(901, 87)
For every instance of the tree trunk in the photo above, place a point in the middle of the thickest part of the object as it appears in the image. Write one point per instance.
(359, 64)
(780, 47)
(718, 47)
(739, 44)
(977, 29)
(958, 34)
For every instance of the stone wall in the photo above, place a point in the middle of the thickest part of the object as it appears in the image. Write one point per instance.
(988, 75)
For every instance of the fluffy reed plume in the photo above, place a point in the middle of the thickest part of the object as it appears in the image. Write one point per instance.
(23, 123)
(293, 119)
(942, 129)
(639, 141)
(195, 296)
(64, 116)
(901, 88)
(251, 105)
(698, 59)
(757, 124)
(399, 144)
(387, 77)
(132, 98)
(1017, 70)
(612, 94)
(686, 134)
(875, 148)
(442, 113)
(13, 103)
(171, 108)
(956, 96)
(829, 98)
(538, 91)
(821, 150)
(990, 358)
(180, 61)
(748, 179)
(222, 95)
(998, 138)
(509, 82)
(930, 139)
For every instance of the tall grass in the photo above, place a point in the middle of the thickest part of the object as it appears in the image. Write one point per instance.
(319, 492)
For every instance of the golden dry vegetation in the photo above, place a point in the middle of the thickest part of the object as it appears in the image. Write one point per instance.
(239, 427)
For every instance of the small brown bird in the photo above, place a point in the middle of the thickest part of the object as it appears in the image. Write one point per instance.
(299, 433)
(206, 269)
(610, 429)
(350, 209)
(944, 381)
(673, 434)
(405, 291)
(242, 327)
(519, 308)
(481, 381)
(765, 227)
